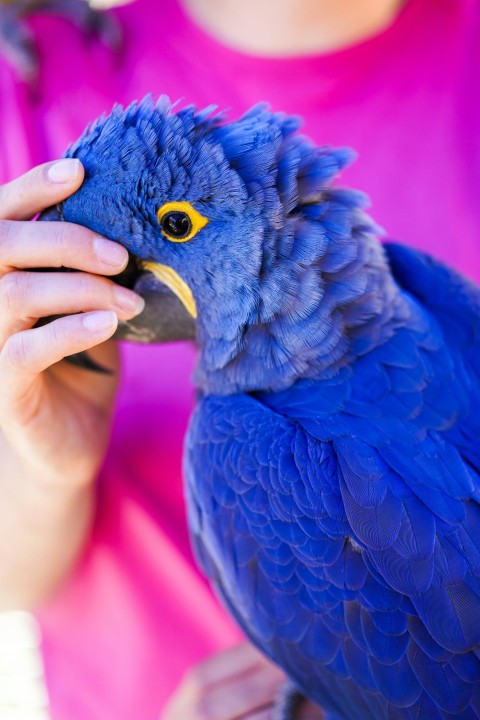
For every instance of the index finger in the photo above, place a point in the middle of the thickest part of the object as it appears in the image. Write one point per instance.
(39, 188)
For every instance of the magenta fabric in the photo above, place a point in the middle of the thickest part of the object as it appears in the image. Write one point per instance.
(135, 613)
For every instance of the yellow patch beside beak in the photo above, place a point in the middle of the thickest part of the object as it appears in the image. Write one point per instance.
(172, 280)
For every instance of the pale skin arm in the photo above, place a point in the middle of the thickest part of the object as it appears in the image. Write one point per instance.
(54, 418)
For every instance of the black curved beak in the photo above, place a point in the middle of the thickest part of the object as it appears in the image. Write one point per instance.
(164, 318)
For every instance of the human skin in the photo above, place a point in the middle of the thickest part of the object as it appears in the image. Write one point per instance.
(292, 27)
(52, 435)
(240, 682)
(55, 418)
(236, 683)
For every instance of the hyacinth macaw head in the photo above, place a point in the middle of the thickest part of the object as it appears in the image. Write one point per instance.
(223, 222)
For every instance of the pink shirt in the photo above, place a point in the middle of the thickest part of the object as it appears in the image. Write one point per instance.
(135, 613)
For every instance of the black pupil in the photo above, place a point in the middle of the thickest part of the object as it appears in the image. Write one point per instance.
(177, 224)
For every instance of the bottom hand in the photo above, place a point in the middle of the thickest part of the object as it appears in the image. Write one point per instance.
(238, 683)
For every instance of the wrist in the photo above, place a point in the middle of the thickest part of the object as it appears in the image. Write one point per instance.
(43, 532)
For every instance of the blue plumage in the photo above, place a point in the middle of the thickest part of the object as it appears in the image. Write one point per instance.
(332, 461)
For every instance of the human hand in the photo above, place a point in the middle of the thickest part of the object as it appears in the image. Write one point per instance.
(236, 683)
(54, 417)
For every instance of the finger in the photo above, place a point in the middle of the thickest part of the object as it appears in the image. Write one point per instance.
(251, 690)
(58, 244)
(224, 665)
(28, 353)
(39, 188)
(27, 296)
(265, 714)
(310, 711)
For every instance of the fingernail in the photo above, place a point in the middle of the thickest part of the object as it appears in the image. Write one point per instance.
(64, 170)
(128, 301)
(110, 253)
(99, 321)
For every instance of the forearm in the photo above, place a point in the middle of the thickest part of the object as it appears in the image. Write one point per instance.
(43, 530)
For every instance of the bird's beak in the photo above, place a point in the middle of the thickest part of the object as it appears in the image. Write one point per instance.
(177, 285)
(170, 309)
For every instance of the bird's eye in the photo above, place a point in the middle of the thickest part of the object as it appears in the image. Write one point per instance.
(180, 221)
(177, 225)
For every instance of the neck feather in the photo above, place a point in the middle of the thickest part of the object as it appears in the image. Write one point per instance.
(326, 296)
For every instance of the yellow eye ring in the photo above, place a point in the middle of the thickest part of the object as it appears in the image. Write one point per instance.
(180, 222)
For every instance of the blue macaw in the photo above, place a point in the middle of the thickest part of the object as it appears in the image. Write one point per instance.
(332, 460)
